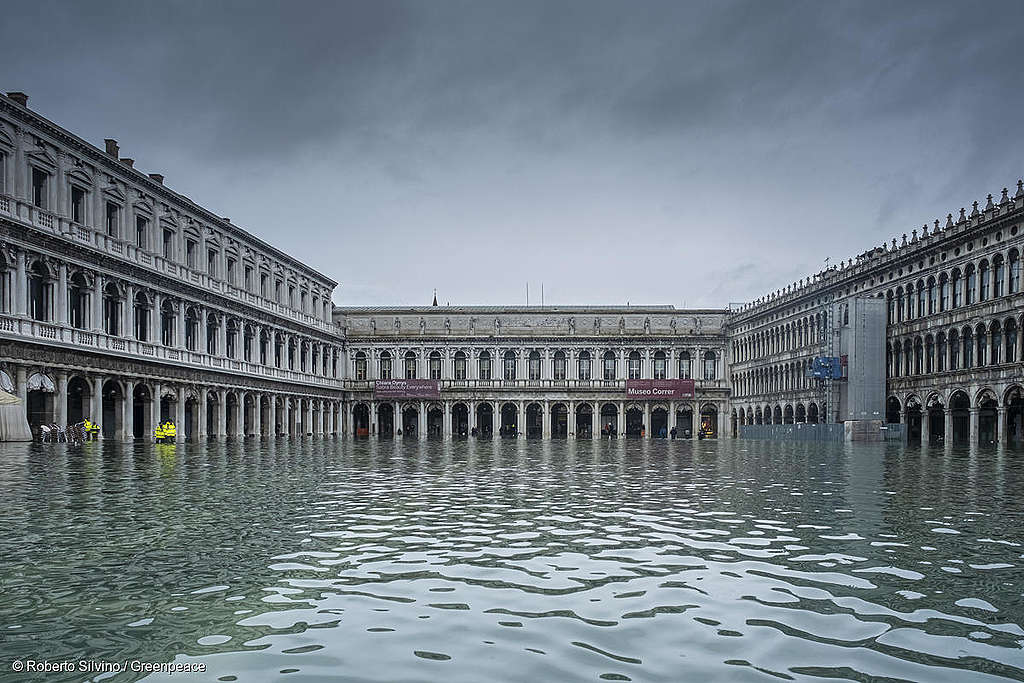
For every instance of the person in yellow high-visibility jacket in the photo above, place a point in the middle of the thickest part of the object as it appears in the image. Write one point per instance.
(170, 432)
(158, 433)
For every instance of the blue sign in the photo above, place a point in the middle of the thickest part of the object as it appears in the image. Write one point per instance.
(826, 367)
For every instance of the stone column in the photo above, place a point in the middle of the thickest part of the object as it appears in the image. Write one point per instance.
(621, 421)
(1000, 424)
(128, 411)
(201, 343)
(179, 325)
(521, 419)
(257, 416)
(471, 406)
(286, 416)
(595, 422)
(671, 417)
(948, 433)
(60, 399)
(203, 429)
(974, 425)
(97, 303)
(308, 422)
(272, 416)
(154, 413)
(446, 422)
(422, 417)
(545, 419)
(647, 419)
(61, 295)
(21, 286)
(926, 424)
(95, 400)
(179, 414)
(222, 413)
(570, 421)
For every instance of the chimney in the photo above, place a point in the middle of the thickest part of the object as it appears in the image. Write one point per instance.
(19, 97)
(130, 163)
(112, 148)
(157, 177)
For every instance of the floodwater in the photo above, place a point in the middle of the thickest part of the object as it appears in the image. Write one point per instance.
(514, 560)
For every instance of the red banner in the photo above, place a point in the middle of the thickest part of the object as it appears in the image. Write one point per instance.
(407, 388)
(659, 388)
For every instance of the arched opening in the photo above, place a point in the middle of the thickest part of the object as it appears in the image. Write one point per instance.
(40, 408)
(801, 413)
(787, 415)
(608, 365)
(459, 365)
(78, 301)
(40, 292)
(634, 366)
(385, 420)
(249, 408)
(914, 420)
(142, 409)
(534, 420)
(584, 421)
(559, 421)
(79, 394)
(410, 421)
(509, 419)
(960, 408)
(460, 419)
(508, 369)
(812, 413)
(558, 366)
(709, 421)
(776, 415)
(212, 428)
(435, 420)
(684, 422)
(434, 365)
(192, 418)
(660, 369)
(112, 309)
(659, 422)
(987, 421)
(360, 419)
(936, 419)
(710, 365)
(142, 308)
(892, 410)
(485, 418)
(634, 421)
(113, 399)
(609, 420)
(232, 414)
(758, 416)
(1014, 402)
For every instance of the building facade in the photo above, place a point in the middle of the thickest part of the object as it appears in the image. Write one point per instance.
(954, 303)
(535, 370)
(126, 303)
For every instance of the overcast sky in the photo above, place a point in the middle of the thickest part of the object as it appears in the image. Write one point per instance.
(693, 154)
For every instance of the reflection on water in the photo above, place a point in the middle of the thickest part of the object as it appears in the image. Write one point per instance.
(513, 560)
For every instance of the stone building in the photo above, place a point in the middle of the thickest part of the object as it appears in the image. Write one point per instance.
(125, 302)
(546, 371)
(954, 300)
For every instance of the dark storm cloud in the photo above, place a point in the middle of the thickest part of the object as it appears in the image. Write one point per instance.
(579, 141)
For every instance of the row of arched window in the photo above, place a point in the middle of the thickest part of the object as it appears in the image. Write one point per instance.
(972, 346)
(771, 379)
(139, 320)
(799, 334)
(586, 366)
(989, 279)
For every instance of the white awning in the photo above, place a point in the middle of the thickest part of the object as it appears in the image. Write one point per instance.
(40, 382)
